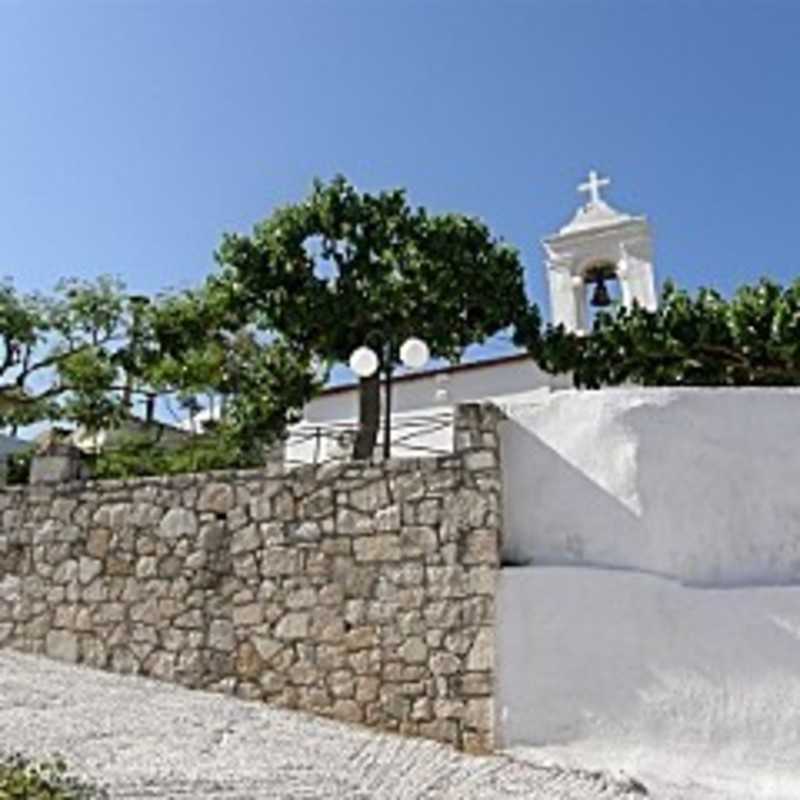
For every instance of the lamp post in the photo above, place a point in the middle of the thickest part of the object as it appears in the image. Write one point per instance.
(365, 362)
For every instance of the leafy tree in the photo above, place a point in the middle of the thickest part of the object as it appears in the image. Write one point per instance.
(344, 268)
(90, 353)
(195, 345)
(62, 357)
(701, 340)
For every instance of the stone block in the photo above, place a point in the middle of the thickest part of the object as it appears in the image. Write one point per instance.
(178, 522)
(347, 711)
(480, 713)
(350, 522)
(248, 615)
(6, 630)
(449, 709)
(218, 498)
(446, 582)
(442, 730)
(248, 662)
(341, 684)
(246, 540)
(301, 598)
(94, 653)
(276, 561)
(380, 547)
(481, 460)
(245, 566)
(361, 638)
(371, 497)
(482, 580)
(266, 647)
(422, 709)
(481, 547)
(284, 506)
(272, 682)
(476, 684)
(445, 664)
(367, 689)
(481, 655)
(414, 650)
(57, 468)
(388, 519)
(305, 532)
(318, 504)
(331, 594)
(62, 645)
(418, 540)
(221, 635)
(458, 642)
(293, 626)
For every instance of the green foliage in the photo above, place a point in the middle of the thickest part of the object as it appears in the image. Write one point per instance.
(19, 467)
(23, 779)
(344, 268)
(23, 326)
(260, 383)
(88, 354)
(59, 355)
(139, 457)
(753, 339)
(260, 388)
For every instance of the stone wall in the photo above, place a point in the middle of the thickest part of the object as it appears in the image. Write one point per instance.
(363, 592)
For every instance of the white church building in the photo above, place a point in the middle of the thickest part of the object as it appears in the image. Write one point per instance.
(600, 246)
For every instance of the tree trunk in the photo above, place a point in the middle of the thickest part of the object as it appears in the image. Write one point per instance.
(369, 415)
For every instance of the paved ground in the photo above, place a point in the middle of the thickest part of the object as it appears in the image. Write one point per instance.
(147, 739)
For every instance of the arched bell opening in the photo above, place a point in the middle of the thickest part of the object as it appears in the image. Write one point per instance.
(602, 285)
(601, 290)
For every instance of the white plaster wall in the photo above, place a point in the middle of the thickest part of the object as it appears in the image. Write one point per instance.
(698, 485)
(417, 413)
(617, 670)
(419, 394)
(657, 628)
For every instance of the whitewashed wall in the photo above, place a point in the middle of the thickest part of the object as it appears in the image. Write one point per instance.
(478, 382)
(658, 618)
(699, 485)
(626, 671)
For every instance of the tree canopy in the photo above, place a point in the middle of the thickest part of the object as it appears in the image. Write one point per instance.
(64, 356)
(751, 339)
(345, 268)
(201, 345)
(91, 354)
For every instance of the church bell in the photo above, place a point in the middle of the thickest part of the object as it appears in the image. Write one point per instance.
(600, 296)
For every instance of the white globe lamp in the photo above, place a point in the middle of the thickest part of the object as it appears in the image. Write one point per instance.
(414, 353)
(364, 362)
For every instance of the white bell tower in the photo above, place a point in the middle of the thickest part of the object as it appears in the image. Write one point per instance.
(599, 244)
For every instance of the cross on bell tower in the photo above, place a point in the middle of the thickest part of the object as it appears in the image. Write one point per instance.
(599, 244)
(593, 186)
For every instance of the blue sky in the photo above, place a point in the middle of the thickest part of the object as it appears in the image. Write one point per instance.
(132, 134)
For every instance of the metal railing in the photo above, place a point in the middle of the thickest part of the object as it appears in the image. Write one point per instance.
(412, 437)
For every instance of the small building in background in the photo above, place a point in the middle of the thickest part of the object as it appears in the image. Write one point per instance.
(422, 407)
